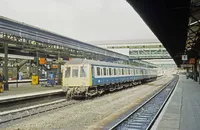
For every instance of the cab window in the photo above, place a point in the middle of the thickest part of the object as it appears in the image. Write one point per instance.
(83, 71)
(67, 72)
(75, 71)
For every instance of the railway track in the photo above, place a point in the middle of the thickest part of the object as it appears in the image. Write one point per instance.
(9, 116)
(143, 117)
(20, 113)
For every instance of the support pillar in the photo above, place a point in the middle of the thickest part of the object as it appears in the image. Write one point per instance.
(30, 69)
(5, 67)
(195, 70)
(37, 68)
(59, 70)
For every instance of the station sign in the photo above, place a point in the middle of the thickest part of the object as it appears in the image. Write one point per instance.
(54, 66)
(60, 60)
(186, 65)
(43, 61)
(192, 60)
(184, 57)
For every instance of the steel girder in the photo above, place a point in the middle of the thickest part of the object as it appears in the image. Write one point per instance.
(193, 35)
(31, 39)
(151, 53)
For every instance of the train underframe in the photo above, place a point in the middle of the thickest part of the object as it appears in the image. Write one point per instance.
(88, 92)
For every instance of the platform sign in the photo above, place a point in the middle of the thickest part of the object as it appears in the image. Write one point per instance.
(54, 66)
(184, 57)
(43, 61)
(186, 66)
(192, 60)
(60, 60)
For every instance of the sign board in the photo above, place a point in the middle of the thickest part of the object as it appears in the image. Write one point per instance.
(54, 66)
(192, 60)
(186, 65)
(60, 60)
(184, 57)
(43, 61)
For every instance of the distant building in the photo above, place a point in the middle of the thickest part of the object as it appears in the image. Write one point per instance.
(150, 50)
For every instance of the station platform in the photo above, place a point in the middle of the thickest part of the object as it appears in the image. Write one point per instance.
(26, 90)
(182, 111)
(24, 81)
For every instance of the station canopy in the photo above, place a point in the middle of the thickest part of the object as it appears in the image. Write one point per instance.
(175, 23)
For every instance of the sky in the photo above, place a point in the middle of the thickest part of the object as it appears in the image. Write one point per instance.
(84, 20)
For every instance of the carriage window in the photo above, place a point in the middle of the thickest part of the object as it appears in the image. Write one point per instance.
(101, 71)
(67, 72)
(138, 71)
(110, 73)
(98, 71)
(118, 71)
(83, 71)
(114, 71)
(104, 71)
(107, 71)
(75, 72)
(123, 71)
(129, 71)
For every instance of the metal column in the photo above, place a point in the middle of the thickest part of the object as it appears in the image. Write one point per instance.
(5, 67)
(30, 69)
(37, 64)
(59, 70)
(195, 70)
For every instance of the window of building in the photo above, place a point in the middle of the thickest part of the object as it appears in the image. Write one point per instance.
(67, 72)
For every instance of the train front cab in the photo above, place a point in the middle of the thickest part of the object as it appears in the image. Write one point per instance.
(76, 79)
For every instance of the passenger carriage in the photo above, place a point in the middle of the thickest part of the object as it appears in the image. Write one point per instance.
(83, 77)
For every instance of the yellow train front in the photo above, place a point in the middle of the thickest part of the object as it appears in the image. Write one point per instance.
(76, 78)
(87, 78)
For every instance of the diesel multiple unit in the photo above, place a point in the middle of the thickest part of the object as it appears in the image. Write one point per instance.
(87, 78)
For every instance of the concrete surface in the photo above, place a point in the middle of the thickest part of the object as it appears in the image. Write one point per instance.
(183, 109)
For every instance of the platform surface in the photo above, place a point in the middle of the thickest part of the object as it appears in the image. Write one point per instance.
(27, 90)
(24, 80)
(182, 112)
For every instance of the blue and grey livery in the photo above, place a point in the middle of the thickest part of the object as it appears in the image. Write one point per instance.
(83, 77)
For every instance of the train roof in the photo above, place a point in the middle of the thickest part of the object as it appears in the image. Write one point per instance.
(103, 63)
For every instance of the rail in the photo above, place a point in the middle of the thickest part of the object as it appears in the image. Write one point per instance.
(145, 115)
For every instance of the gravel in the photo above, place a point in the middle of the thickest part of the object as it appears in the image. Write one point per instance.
(91, 114)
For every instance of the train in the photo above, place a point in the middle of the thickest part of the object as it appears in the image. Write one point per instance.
(87, 78)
